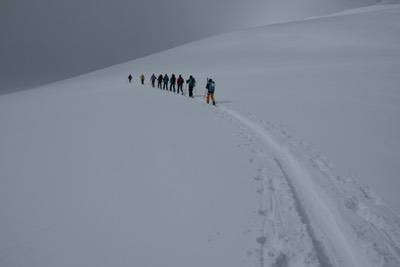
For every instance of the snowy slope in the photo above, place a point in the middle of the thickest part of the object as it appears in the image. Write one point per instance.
(287, 10)
(94, 174)
(95, 171)
(331, 81)
(38, 47)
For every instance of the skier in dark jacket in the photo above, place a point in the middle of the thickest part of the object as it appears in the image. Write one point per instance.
(153, 80)
(191, 83)
(142, 78)
(166, 80)
(210, 91)
(130, 78)
(159, 81)
(180, 83)
(172, 82)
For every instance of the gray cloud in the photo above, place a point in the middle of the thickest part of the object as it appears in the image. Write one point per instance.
(48, 40)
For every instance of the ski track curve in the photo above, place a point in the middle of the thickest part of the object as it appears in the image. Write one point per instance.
(323, 224)
(310, 215)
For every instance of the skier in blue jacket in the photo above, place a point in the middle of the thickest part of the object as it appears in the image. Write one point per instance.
(210, 91)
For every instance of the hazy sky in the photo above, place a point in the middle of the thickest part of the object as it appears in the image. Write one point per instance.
(48, 40)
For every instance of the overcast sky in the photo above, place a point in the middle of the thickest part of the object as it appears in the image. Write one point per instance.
(48, 40)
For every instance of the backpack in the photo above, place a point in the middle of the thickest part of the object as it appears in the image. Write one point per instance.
(211, 86)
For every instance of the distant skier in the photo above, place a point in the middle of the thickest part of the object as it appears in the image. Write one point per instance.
(160, 80)
(180, 83)
(172, 83)
(166, 80)
(191, 83)
(142, 79)
(130, 78)
(153, 80)
(210, 91)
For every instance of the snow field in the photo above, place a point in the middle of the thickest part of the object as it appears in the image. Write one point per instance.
(98, 172)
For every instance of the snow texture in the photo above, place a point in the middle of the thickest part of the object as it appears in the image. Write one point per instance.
(98, 172)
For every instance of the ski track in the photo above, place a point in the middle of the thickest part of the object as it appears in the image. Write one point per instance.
(316, 221)
(310, 216)
(319, 248)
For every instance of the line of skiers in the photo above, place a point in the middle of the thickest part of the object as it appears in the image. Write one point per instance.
(164, 82)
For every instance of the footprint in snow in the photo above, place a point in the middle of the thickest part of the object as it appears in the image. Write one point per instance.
(263, 212)
(257, 178)
(351, 204)
(281, 261)
(261, 240)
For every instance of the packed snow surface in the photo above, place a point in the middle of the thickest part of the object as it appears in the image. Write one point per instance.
(296, 166)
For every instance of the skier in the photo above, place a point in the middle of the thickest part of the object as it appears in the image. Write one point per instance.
(130, 78)
(172, 83)
(192, 83)
(210, 91)
(160, 80)
(180, 82)
(153, 80)
(166, 80)
(142, 78)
